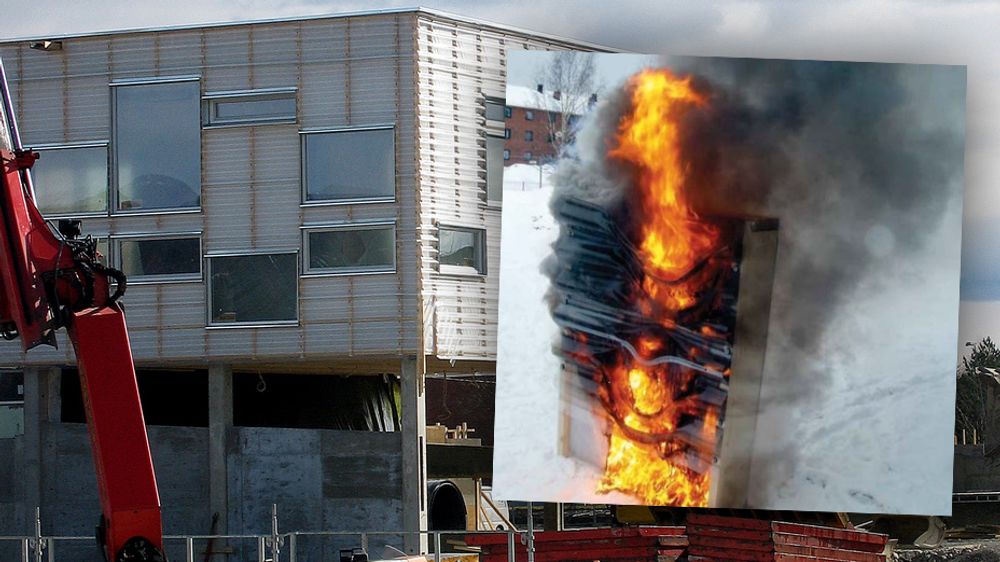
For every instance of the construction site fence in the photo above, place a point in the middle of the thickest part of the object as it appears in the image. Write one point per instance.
(281, 547)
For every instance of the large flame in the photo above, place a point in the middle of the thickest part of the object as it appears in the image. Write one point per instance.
(672, 241)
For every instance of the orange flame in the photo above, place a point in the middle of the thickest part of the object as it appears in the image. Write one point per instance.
(673, 240)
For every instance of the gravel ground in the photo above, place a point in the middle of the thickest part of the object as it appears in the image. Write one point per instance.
(964, 551)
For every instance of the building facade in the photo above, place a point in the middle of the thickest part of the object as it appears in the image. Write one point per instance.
(308, 211)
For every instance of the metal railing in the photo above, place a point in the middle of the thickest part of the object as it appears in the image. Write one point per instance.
(273, 547)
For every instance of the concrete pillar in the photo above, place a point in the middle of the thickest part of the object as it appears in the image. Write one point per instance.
(220, 421)
(35, 413)
(414, 426)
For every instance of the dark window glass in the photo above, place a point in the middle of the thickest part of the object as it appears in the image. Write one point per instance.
(529, 115)
(71, 180)
(360, 249)
(252, 289)
(507, 112)
(252, 108)
(553, 117)
(528, 155)
(494, 168)
(529, 136)
(161, 257)
(495, 110)
(158, 145)
(506, 155)
(506, 133)
(462, 247)
(349, 165)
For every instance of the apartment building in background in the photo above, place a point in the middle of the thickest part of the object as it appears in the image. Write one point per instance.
(308, 212)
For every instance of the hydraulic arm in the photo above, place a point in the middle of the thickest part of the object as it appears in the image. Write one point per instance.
(51, 279)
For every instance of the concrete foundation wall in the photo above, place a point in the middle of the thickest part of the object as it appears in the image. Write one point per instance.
(320, 480)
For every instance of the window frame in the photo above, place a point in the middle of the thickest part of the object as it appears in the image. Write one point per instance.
(529, 136)
(506, 154)
(209, 101)
(106, 144)
(303, 165)
(307, 229)
(207, 268)
(114, 199)
(529, 115)
(508, 112)
(459, 270)
(115, 243)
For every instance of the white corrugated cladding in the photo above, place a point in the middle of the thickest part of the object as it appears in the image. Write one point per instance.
(348, 71)
(459, 64)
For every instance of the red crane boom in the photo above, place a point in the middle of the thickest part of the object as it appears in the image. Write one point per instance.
(52, 279)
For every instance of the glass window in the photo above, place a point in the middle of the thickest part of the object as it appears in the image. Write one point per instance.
(495, 110)
(250, 107)
(506, 154)
(529, 136)
(71, 180)
(553, 117)
(462, 250)
(11, 404)
(528, 155)
(529, 115)
(167, 258)
(253, 289)
(352, 249)
(507, 112)
(157, 143)
(494, 168)
(506, 133)
(349, 165)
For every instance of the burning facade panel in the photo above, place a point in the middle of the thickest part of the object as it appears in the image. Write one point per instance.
(687, 358)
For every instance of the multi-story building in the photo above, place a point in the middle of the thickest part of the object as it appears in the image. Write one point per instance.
(308, 211)
(533, 118)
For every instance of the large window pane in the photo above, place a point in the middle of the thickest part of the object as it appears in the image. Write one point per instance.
(349, 165)
(158, 145)
(71, 180)
(462, 249)
(251, 108)
(494, 168)
(161, 257)
(354, 249)
(254, 289)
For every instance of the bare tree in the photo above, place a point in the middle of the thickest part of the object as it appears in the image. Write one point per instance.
(569, 87)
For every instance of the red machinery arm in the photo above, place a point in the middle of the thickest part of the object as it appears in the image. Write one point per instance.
(51, 280)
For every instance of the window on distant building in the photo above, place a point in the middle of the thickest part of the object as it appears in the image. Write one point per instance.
(495, 109)
(11, 404)
(71, 180)
(549, 138)
(494, 168)
(252, 107)
(507, 112)
(553, 117)
(173, 258)
(368, 248)
(253, 289)
(506, 133)
(529, 136)
(354, 165)
(157, 145)
(528, 155)
(462, 250)
(506, 154)
(529, 115)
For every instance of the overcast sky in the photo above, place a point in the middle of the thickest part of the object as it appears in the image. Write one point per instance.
(876, 30)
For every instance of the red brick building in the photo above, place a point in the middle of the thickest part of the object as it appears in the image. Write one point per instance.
(531, 118)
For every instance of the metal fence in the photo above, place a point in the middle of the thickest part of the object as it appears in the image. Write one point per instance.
(273, 547)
